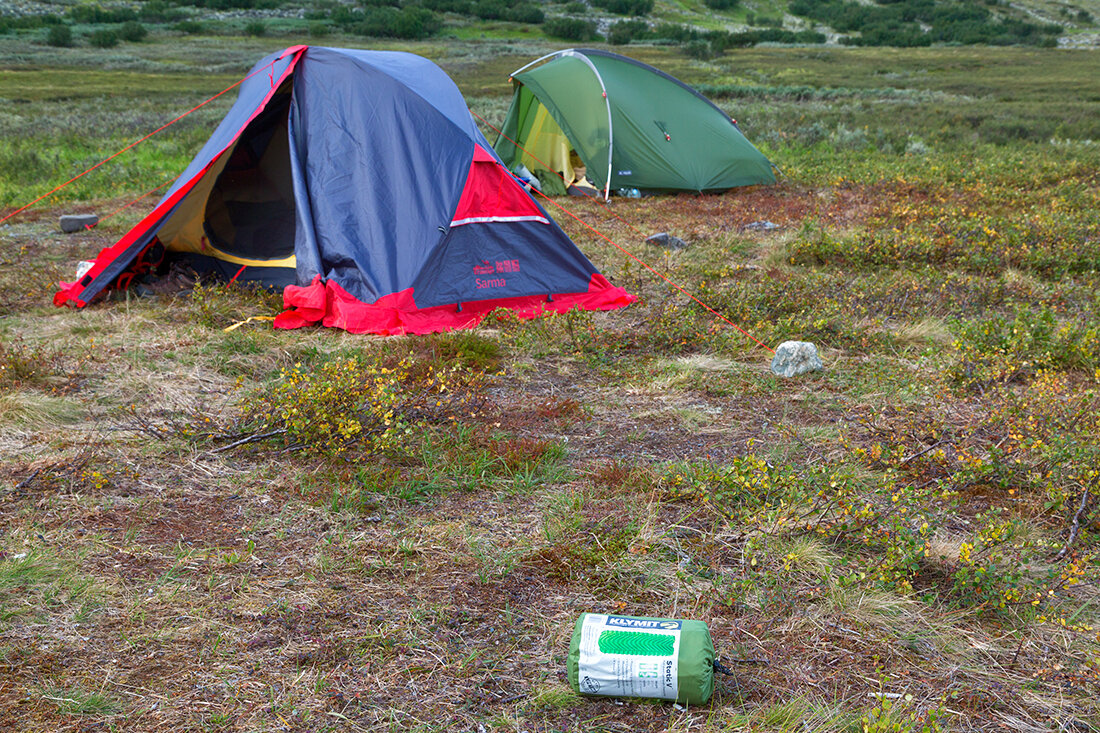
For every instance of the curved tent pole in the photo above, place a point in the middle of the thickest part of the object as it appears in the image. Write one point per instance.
(607, 102)
(540, 58)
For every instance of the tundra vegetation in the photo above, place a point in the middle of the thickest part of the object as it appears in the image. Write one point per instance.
(218, 530)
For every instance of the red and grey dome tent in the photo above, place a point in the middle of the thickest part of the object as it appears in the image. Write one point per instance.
(359, 183)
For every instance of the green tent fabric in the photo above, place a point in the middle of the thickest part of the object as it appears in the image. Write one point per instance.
(631, 125)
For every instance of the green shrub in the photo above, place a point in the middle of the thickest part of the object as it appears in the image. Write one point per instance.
(103, 38)
(95, 14)
(673, 32)
(132, 31)
(60, 36)
(491, 9)
(526, 13)
(570, 29)
(699, 49)
(350, 402)
(24, 366)
(625, 31)
(389, 22)
(317, 29)
(519, 12)
(773, 35)
(158, 11)
(920, 23)
(232, 4)
(1002, 350)
(414, 23)
(722, 4)
(189, 27)
(461, 7)
(626, 7)
(255, 28)
(576, 8)
(28, 22)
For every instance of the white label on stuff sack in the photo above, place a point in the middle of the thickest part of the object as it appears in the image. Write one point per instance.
(628, 657)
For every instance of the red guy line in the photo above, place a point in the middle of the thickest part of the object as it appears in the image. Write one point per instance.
(126, 206)
(136, 142)
(613, 243)
(654, 271)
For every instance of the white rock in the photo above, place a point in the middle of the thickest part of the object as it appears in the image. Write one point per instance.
(795, 357)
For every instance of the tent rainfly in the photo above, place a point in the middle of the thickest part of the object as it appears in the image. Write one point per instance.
(631, 126)
(358, 182)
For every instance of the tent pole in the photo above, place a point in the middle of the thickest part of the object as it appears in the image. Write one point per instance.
(579, 53)
(567, 52)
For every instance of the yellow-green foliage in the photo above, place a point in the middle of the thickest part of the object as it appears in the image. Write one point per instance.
(353, 402)
(23, 365)
(1046, 225)
(998, 349)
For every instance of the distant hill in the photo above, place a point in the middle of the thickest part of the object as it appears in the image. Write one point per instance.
(702, 27)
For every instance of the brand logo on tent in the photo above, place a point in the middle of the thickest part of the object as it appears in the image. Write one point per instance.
(500, 266)
(625, 173)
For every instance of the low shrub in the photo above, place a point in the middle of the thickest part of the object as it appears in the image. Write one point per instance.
(23, 366)
(103, 38)
(996, 349)
(625, 31)
(159, 11)
(673, 32)
(514, 10)
(60, 36)
(95, 14)
(389, 22)
(133, 32)
(10, 23)
(570, 29)
(699, 49)
(189, 27)
(626, 7)
(461, 7)
(352, 403)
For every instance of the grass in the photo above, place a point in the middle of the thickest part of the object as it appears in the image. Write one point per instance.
(876, 547)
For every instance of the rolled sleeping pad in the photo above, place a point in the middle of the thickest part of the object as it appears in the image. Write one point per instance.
(631, 656)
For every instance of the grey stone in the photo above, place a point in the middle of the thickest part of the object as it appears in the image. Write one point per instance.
(761, 226)
(77, 222)
(666, 240)
(796, 357)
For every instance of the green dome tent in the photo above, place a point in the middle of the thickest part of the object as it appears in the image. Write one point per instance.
(630, 125)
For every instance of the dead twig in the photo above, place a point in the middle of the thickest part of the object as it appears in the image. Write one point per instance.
(929, 449)
(250, 439)
(1076, 526)
(28, 479)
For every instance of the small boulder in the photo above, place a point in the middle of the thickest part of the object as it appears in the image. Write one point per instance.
(666, 240)
(795, 357)
(77, 222)
(761, 226)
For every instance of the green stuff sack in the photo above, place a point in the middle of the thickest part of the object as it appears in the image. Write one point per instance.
(628, 656)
